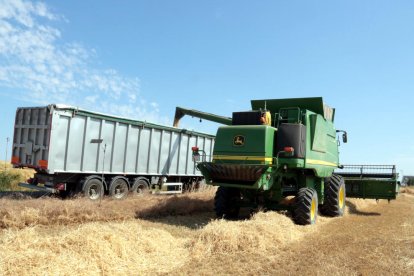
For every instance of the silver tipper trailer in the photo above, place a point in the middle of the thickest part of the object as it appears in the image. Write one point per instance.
(75, 150)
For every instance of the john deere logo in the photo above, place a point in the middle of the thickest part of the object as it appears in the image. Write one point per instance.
(238, 140)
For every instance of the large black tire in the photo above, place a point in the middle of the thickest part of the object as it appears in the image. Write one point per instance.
(226, 203)
(140, 186)
(335, 194)
(306, 206)
(118, 189)
(93, 189)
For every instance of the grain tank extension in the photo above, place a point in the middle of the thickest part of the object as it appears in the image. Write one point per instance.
(281, 155)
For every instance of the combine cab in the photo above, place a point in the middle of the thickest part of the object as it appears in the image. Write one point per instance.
(282, 155)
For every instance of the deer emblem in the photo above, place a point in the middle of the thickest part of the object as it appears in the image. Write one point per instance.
(238, 140)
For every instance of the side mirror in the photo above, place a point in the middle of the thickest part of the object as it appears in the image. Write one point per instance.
(344, 137)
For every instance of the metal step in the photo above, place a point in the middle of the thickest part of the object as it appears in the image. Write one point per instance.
(38, 188)
(169, 188)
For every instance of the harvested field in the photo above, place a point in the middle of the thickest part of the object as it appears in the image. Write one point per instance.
(54, 211)
(407, 190)
(179, 235)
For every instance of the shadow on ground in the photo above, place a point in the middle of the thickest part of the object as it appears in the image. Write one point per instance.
(354, 210)
(184, 211)
(193, 222)
(23, 195)
(179, 211)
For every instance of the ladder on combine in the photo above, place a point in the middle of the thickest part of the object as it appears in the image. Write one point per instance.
(370, 181)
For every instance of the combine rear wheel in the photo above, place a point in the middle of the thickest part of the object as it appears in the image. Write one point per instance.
(334, 203)
(306, 206)
(226, 203)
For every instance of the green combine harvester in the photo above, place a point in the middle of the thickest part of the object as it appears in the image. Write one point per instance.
(282, 155)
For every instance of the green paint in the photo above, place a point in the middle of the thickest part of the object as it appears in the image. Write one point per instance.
(180, 112)
(244, 145)
(372, 188)
(240, 149)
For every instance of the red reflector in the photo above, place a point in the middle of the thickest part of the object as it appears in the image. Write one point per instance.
(43, 164)
(288, 149)
(15, 160)
(60, 186)
(194, 148)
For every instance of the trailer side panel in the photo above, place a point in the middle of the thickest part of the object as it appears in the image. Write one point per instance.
(67, 140)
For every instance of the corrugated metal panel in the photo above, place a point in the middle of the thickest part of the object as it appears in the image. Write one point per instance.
(31, 134)
(128, 147)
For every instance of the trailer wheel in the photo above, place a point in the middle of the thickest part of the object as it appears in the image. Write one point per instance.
(306, 206)
(118, 189)
(335, 194)
(226, 203)
(140, 186)
(93, 189)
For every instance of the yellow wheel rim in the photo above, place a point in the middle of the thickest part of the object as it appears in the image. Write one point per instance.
(341, 197)
(313, 209)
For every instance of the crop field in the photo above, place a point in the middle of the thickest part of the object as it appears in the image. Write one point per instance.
(179, 235)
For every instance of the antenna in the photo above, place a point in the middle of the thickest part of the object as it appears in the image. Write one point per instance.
(7, 145)
(103, 170)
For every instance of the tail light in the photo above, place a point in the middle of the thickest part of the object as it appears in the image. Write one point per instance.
(288, 149)
(43, 164)
(196, 154)
(60, 186)
(15, 160)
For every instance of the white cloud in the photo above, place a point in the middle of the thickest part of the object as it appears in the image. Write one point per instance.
(35, 59)
(91, 99)
(23, 11)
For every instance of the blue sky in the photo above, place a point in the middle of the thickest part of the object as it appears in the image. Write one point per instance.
(141, 59)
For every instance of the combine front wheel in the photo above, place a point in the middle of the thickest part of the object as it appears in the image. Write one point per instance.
(226, 203)
(306, 206)
(334, 203)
